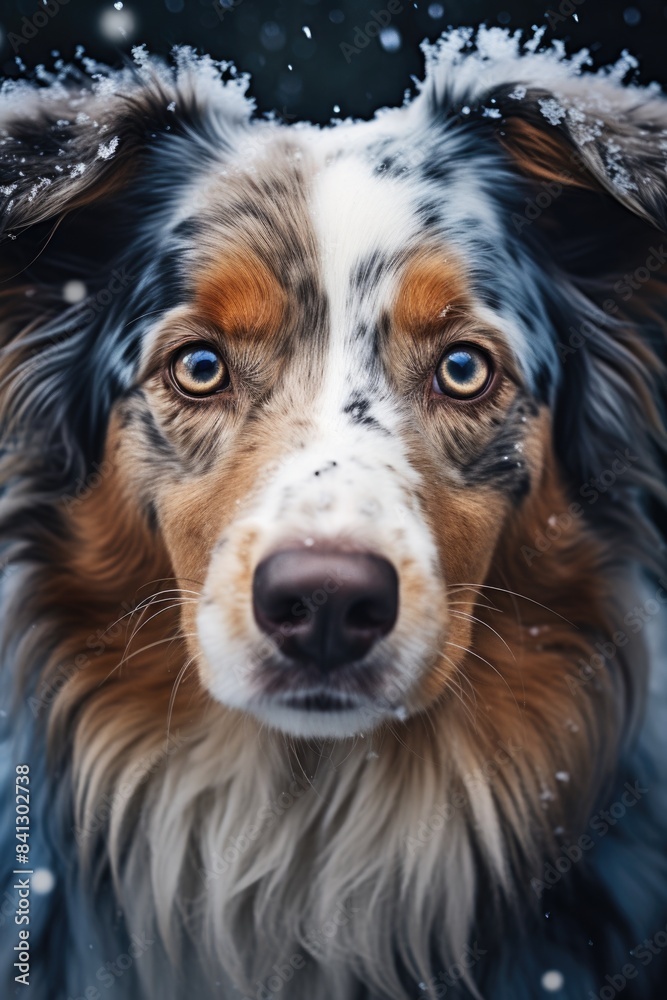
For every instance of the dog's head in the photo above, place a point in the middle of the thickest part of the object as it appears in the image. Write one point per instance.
(341, 379)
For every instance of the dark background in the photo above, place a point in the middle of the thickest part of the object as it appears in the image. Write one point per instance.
(266, 37)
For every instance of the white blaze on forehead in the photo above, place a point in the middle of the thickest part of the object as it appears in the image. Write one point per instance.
(355, 215)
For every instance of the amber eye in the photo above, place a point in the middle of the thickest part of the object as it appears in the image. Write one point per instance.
(463, 372)
(198, 370)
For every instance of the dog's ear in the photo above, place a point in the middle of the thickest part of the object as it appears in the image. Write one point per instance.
(617, 145)
(589, 204)
(94, 174)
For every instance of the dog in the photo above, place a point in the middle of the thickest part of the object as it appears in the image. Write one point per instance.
(332, 563)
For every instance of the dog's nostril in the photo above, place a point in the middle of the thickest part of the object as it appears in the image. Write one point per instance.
(329, 608)
(368, 613)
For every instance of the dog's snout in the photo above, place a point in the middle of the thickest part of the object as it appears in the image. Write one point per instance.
(330, 608)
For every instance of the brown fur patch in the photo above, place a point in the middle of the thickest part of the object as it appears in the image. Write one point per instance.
(431, 283)
(528, 679)
(121, 647)
(242, 296)
(544, 155)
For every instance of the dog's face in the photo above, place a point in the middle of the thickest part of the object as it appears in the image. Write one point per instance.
(331, 431)
(341, 379)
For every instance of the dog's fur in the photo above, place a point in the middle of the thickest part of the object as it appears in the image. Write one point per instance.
(411, 840)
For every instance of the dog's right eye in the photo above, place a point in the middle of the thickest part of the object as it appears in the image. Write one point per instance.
(198, 370)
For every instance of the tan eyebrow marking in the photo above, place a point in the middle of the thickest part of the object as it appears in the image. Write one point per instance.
(432, 284)
(241, 295)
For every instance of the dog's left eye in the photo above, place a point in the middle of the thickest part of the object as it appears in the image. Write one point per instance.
(463, 372)
(198, 370)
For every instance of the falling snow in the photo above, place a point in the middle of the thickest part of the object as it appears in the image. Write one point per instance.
(42, 881)
(74, 291)
(552, 981)
(390, 39)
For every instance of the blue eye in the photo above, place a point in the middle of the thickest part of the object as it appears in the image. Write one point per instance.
(463, 372)
(198, 370)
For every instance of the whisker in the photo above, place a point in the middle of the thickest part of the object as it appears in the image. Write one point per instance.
(513, 593)
(458, 675)
(181, 674)
(396, 736)
(150, 645)
(143, 624)
(462, 614)
(174, 579)
(471, 652)
(140, 607)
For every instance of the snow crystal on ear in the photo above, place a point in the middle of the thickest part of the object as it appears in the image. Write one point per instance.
(553, 110)
(106, 151)
(618, 173)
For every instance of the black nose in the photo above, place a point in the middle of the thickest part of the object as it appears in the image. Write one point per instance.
(330, 608)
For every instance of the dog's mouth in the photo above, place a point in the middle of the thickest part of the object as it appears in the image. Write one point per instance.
(320, 701)
(323, 712)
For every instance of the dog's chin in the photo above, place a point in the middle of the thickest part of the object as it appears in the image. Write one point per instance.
(320, 715)
(314, 714)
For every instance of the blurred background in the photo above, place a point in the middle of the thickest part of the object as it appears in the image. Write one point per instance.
(319, 59)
